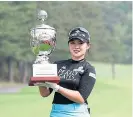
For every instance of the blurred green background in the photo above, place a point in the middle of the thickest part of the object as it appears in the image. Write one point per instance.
(110, 98)
(110, 26)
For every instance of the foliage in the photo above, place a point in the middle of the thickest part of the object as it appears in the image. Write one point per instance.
(109, 24)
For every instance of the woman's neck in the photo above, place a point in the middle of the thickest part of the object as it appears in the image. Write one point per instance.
(78, 58)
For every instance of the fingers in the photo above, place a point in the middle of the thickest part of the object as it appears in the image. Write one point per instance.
(54, 86)
(50, 83)
(40, 84)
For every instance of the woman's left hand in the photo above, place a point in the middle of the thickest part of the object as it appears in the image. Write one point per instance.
(54, 86)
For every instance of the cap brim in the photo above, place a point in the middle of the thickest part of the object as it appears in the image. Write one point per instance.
(77, 38)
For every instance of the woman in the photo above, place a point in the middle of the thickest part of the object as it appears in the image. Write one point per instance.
(77, 79)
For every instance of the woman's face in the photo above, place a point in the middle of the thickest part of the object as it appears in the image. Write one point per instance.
(78, 49)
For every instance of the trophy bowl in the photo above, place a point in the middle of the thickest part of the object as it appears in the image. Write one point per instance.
(43, 42)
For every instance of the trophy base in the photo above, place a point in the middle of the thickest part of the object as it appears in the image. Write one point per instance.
(54, 79)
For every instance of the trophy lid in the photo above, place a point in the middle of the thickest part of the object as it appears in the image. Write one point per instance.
(44, 26)
(42, 15)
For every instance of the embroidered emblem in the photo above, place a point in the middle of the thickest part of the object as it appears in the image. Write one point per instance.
(64, 67)
(80, 69)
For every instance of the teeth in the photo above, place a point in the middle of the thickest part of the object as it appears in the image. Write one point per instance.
(76, 51)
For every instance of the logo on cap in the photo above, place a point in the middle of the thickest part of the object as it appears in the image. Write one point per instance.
(79, 33)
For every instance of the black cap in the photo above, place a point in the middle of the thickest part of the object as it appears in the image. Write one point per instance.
(79, 33)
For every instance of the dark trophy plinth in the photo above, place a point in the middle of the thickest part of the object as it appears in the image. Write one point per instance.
(43, 42)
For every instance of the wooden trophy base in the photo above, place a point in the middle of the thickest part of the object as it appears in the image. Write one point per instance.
(54, 79)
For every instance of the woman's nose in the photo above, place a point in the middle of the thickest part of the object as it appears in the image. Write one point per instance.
(76, 46)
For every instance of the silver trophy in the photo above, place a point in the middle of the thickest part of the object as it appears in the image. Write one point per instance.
(43, 42)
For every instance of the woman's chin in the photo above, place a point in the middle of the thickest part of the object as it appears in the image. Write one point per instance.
(78, 56)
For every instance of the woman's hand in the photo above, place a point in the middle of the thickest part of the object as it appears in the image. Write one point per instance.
(43, 88)
(54, 86)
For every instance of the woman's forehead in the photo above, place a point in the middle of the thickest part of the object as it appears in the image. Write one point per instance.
(76, 40)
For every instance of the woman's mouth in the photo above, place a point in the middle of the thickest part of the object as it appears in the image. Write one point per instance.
(76, 51)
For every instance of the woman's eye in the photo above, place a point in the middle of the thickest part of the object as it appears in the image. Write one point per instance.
(80, 42)
(72, 43)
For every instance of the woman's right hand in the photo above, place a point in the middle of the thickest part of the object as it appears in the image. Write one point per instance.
(43, 84)
(44, 90)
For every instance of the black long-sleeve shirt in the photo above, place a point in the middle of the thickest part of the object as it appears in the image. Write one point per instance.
(75, 75)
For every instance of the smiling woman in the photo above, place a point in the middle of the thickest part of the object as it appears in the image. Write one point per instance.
(77, 79)
(78, 49)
